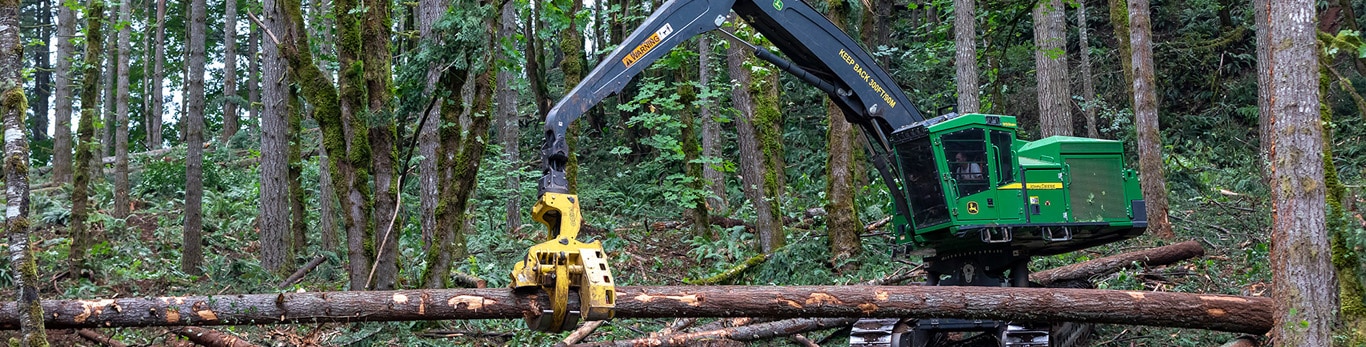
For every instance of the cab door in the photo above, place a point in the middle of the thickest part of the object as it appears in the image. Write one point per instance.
(1005, 171)
(967, 157)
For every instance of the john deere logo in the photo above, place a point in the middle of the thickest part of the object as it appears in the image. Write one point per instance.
(778, 5)
(972, 207)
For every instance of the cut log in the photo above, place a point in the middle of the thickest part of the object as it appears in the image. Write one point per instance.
(750, 332)
(96, 337)
(212, 338)
(579, 334)
(1099, 267)
(1181, 310)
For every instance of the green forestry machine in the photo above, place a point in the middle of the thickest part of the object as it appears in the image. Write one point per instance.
(973, 200)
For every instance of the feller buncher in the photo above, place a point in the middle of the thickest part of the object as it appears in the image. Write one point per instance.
(972, 200)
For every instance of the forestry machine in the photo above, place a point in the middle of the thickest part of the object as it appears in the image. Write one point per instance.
(971, 199)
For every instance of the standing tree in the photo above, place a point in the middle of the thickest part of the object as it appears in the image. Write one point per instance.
(12, 108)
(429, 13)
(691, 146)
(842, 224)
(1300, 262)
(508, 129)
(1119, 21)
(755, 95)
(1088, 86)
(193, 254)
(85, 148)
(153, 120)
(230, 117)
(253, 78)
(378, 76)
(965, 57)
(42, 71)
(1154, 181)
(121, 204)
(274, 201)
(712, 141)
(61, 137)
(1050, 59)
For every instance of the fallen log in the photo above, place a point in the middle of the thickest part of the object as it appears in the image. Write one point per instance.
(579, 334)
(212, 338)
(1181, 310)
(303, 271)
(1098, 267)
(752, 332)
(97, 337)
(731, 273)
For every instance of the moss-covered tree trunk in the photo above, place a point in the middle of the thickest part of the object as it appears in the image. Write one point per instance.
(121, 202)
(298, 223)
(1153, 178)
(571, 45)
(692, 149)
(842, 224)
(193, 255)
(1300, 266)
(85, 133)
(1119, 22)
(12, 108)
(712, 141)
(349, 134)
(62, 92)
(755, 96)
(1050, 61)
(381, 125)
(1346, 263)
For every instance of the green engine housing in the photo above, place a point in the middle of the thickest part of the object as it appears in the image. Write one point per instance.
(972, 185)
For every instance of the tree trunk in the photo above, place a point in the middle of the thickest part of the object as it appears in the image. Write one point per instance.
(428, 141)
(1050, 60)
(121, 202)
(1261, 11)
(85, 148)
(749, 332)
(193, 254)
(153, 121)
(965, 57)
(298, 224)
(42, 77)
(508, 128)
(1099, 267)
(692, 149)
(327, 213)
(754, 176)
(1150, 169)
(712, 141)
(1119, 21)
(375, 36)
(62, 91)
(12, 108)
(274, 169)
(1346, 264)
(110, 81)
(1305, 307)
(1088, 86)
(253, 79)
(354, 140)
(571, 45)
(842, 224)
(1184, 310)
(212, 338)
(230, 117)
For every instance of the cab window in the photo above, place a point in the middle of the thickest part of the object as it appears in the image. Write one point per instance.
(966, 154)
(1005, 160)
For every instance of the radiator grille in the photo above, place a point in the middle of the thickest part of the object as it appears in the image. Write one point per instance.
(1097, 189)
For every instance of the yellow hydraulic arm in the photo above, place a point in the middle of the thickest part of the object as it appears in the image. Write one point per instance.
(563, 263)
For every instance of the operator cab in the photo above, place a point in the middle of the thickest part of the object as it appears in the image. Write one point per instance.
(970, 185)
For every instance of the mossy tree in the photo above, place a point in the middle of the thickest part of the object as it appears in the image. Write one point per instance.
(755, 96)
(842, 224)
(12, 107)
(85, 133)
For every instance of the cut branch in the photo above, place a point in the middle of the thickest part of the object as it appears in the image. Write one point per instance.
(97, 337)
(752, 332)
(1182, 310)
(212, 338)
(1099, 267)
(303, 271)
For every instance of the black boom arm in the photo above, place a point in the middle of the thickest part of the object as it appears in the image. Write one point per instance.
(817, 52)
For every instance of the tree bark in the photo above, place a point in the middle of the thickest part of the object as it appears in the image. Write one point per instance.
(212, 338)
(691, 146)
(42, 74)
(153, 121)
(120, 127)
(353, 141)
(85, 148)
(375, 35)
(842, 224)
(965, 56)
(508, 128)
(1305, 306)
(1088, 86)
(1050, 60)
(274, 169)
(1183, 310)
(1261, 12)
(192, 256)
(1153, 179)
(752, 162)
(96, 337)
(254, 79)
(298, 224)
(109, 80)
(62, 90)
(1119, 22)
(430, 12)
(230, 117)
(712, 141)
(327, 196)
(13, 105)
(1099, 267)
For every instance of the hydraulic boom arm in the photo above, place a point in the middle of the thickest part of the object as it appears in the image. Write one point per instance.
(817, 52)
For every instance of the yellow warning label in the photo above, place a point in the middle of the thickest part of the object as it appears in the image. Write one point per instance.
(972, 207)
(1039, 186)
(641, 50)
